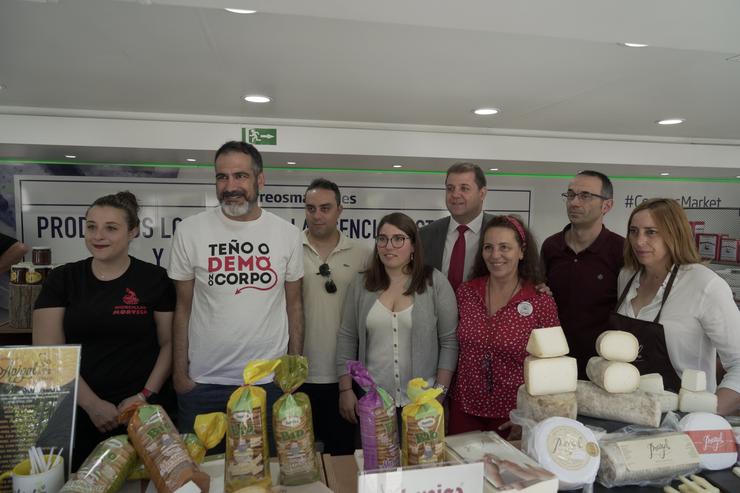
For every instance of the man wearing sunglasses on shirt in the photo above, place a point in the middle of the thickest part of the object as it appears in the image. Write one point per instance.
(582, 263)
(331, 260)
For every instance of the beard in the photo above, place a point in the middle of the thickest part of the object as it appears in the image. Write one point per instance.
(235, 210)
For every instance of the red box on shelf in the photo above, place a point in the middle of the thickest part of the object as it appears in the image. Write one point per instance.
(708, 245)
(697, 227)
(729, 250)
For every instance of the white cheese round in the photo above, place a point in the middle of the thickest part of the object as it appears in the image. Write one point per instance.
(713, 438)
(567, 449)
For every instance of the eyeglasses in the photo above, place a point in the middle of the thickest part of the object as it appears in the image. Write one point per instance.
(582, 196)
(325, 271)
(397, 241)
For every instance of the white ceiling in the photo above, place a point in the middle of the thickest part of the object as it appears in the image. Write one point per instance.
(551, 66)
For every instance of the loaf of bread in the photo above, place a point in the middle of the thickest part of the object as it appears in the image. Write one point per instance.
(105, 469)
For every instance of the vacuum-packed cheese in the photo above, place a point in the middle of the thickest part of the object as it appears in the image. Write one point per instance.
(713, 438)
(539, 407)
(549, 342)
(617, 345)
(616, 377)
(543, 376)
(694, 380)
(690, 402)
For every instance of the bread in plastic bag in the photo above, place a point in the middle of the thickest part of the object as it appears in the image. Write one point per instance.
(163, 451)
(247, 452)
(378, 424)
(105, 469)
(423, 437)
(292, 424)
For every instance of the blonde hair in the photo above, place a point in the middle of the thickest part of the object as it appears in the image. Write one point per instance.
(673, 227)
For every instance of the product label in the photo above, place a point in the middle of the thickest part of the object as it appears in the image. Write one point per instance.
(650, 453)
(713, 441)
(569, 448)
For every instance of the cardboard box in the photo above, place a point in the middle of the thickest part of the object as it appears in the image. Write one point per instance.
(729, 250)
(708, 245)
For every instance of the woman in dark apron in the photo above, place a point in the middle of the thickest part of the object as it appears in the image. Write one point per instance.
(681, 312)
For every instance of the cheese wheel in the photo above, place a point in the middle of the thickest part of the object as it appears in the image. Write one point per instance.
(549, 342)
(617, 345)
(543, 376)
(616, 377)
(689, 402)
(546, 406)
(713, 438)
(694, 380)
(567, 449)
(652, 382)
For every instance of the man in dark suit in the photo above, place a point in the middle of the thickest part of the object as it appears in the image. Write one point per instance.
(450, 239)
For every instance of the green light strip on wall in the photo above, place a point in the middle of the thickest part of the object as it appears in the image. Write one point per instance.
(556, 176)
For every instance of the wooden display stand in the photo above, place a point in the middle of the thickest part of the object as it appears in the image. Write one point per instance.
(20, 305)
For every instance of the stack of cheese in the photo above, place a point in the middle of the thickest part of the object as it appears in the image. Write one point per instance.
(613, 391)
(549, 377)
(653, 384)
(693, 395)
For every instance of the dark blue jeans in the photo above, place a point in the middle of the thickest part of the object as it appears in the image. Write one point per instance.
(210, 398)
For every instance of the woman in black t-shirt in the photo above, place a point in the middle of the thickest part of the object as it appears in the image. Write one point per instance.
(120, 310)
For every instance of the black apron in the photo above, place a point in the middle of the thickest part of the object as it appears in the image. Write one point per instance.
(653, 356)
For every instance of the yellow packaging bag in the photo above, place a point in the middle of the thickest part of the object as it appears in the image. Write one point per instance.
(292, 424)
(247, 453)
(422, 420)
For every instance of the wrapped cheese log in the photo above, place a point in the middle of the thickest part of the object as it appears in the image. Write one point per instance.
(546, 406)
(638, 407)
(645, 459)
(105, 469)
(615, 377)
(162, 450)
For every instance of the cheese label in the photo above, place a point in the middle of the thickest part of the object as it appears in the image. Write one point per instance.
(570, 449)
(713, 441)
(648, 453)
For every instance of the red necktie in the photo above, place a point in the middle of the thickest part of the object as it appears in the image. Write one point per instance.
(457, 259)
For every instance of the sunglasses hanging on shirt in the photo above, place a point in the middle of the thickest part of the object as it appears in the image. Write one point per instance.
(325, 271)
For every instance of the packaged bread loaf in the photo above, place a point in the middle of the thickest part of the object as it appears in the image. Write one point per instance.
(247, 453)
(292, 423)
(645, 459)
(378, 425)
(163, 451)
(105, 469)
(422, 420)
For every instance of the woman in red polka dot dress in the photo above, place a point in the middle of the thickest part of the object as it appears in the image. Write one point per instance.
(499, 307)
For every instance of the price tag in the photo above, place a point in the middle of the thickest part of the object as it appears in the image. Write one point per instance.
(459, 478)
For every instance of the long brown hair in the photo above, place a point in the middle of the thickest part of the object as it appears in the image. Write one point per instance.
(376, 278)
(673, 227)
(529, 267)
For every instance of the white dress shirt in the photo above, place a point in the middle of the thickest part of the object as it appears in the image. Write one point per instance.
(471, 244)
(699, 318)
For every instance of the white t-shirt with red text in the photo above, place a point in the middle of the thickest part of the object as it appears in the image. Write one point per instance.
(239, 308)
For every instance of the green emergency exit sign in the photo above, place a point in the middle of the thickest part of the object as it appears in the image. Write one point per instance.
(260, 136)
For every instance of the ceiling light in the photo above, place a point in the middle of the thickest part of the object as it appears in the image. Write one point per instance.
(70, 156)
(241, 11)
(665, 174)
(2, 87)
(398, 165)
(493, 169)
(256, 98)
(487, 111)
(634, 45)
(290, 162)
(670, 121)
(190, 160)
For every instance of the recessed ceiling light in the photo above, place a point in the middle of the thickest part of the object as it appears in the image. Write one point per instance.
(190, 160)
(634, 45)
(670, 121)
(290, 162)
(493, 169)
(665, 174)
(2, 86)
(70, 156)
(486, 111)
(398, 165)
(256, 98)
(241, 11)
